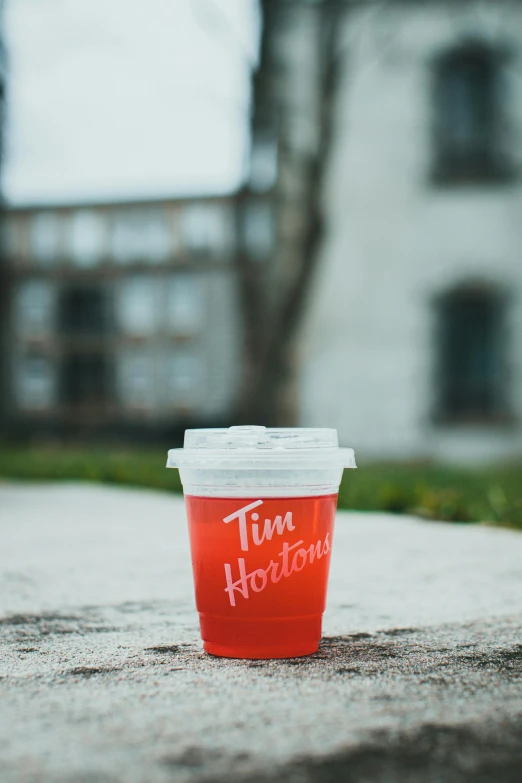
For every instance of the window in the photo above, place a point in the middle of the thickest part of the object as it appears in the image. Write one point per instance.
(206, 228)
(35, 383)
(137, 380)
(141, 236)
(12, 236)
(471, 366)
(185, 304)
(83, 311)
(126, 239)
(34, 309)
(45, 238)
(184, 379)
(157, 236)
(258, 230)
(263, 163)
(469, 115)
(87, 238)
(138, 306)
(85, 379)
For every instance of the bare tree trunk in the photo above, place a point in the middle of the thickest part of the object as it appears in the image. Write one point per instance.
(252, 276)
(270, 331)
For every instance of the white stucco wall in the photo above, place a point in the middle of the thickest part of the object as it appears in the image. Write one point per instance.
(394, 241)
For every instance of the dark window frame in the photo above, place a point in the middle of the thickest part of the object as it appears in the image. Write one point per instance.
(471, 70)
(86, 379)
(471, 341)
(84, 311)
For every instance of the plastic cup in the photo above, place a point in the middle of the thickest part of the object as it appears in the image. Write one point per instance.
(261, 506)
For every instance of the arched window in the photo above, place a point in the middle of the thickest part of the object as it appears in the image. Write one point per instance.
(471, 368)
(468, 115)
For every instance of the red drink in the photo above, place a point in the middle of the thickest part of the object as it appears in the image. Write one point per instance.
(260, 572)
(261, 506)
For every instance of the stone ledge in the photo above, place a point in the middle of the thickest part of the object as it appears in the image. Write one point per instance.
(102, 676)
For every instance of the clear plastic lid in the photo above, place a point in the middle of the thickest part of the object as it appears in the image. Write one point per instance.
(252, 447)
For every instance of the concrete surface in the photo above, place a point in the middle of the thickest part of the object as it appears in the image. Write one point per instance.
(102, 677)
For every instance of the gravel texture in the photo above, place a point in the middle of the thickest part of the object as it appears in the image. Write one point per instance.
(103, 680)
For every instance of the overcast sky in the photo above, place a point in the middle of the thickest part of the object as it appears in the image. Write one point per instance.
(125, 98)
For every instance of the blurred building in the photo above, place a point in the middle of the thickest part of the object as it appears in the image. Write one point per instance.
(128, 316)
(412, 343)
(123, 316)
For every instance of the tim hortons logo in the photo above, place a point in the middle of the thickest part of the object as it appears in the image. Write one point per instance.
(292, 558)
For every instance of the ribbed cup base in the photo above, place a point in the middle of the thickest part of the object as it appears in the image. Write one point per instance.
(260, 637)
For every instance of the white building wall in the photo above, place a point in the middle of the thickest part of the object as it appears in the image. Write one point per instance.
(395, 241)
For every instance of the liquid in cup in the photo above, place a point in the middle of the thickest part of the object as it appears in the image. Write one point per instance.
(260, 546)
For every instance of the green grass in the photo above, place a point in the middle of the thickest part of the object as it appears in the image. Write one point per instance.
(135, 468)
(490, 495)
